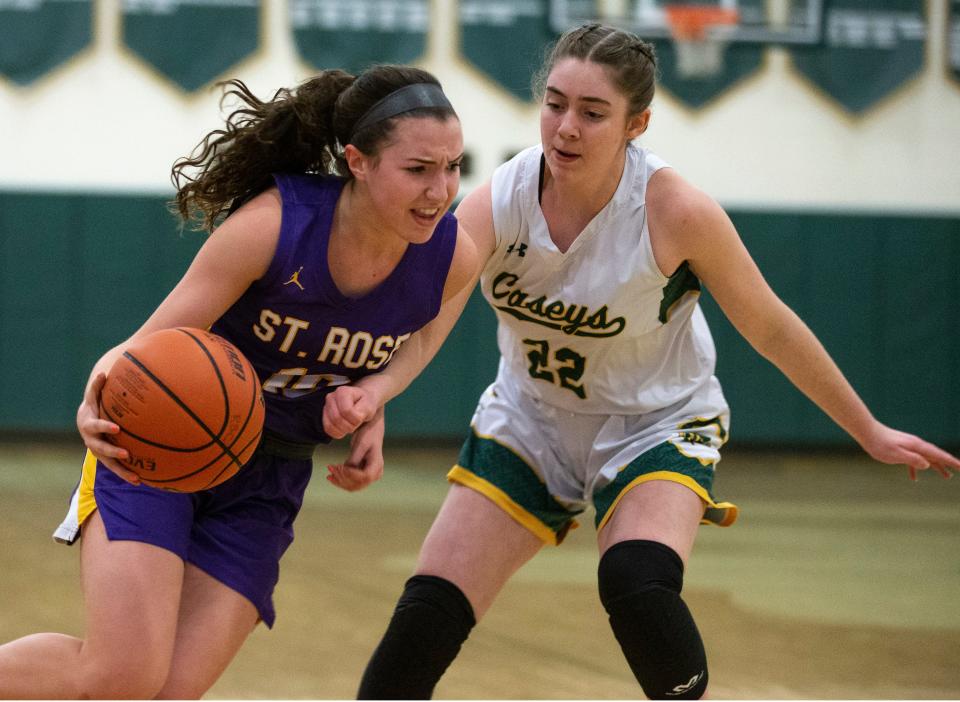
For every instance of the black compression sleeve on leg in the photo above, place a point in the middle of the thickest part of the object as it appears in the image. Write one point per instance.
(640, 583)
(430, 623)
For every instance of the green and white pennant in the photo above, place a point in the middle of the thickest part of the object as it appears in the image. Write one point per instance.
(36, 36)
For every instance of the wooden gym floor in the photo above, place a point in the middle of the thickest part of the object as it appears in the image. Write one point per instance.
(839, 581)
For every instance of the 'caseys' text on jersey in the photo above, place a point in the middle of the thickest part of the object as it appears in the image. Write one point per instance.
(573, 319)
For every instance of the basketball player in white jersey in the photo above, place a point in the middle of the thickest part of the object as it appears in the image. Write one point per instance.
(605, 395)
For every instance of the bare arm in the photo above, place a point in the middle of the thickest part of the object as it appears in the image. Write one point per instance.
(350, 405)
(686, 224)
(474, 246)
(364, 463)
(235, 255)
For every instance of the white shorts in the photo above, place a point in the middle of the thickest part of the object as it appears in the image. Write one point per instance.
(544, 465)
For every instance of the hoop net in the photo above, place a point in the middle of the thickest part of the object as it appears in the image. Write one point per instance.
(700, 35)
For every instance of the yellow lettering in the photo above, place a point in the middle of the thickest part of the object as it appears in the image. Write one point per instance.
(335, 344)
(358, 350)
(400, 340)
(380, 354)
(294, 325)
(266, 328)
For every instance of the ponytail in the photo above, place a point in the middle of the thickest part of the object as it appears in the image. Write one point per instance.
(291, 133)
(299, 131)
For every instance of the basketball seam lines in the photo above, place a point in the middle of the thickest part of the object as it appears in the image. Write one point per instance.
(216, 370)
(215, 439)
(253, 404)
(223, 389)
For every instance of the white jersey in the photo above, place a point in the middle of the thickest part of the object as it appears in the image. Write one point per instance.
(597, 329)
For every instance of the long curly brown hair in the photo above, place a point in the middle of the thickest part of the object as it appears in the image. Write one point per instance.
(300, 130)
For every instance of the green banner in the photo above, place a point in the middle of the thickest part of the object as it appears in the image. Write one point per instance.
(953, 39)
(191, 42)
(36, 36)
(505, 39)
(738, 62)
(353, 35)
(869, 49)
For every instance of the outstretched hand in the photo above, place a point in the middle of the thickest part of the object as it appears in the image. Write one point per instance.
(891, 446)
(364, 464)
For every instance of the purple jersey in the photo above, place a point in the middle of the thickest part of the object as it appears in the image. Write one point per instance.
(303, 336)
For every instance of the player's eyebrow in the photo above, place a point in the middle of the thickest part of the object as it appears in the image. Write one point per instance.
(430, 161)
(585, 98)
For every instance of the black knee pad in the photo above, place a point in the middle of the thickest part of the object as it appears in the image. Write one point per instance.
(640, 583)
(431, 621)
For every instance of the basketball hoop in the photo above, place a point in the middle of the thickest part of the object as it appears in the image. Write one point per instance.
(700, 34)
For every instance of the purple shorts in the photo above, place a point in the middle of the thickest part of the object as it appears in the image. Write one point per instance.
(236, 532)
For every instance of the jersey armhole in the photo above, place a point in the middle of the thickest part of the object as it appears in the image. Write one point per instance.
(508, 196)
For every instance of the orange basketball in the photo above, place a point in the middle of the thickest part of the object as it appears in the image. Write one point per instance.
(189, 408)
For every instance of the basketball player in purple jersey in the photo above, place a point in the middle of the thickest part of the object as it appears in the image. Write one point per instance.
(323, 262)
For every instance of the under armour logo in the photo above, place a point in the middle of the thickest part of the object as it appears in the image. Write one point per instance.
(295, 278)
(521, 249)
(680, 689)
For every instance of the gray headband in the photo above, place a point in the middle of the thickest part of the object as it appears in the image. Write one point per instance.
(405, 99)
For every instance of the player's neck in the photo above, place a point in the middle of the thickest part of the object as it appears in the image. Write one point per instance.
(356, 218)
(571, 201)
(584, 192)
(362, 251)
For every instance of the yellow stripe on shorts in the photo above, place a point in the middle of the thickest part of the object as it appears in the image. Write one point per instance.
(86, 504)
(463, 476)
(731, 511)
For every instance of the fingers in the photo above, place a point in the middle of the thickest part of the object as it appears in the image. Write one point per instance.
(944, 470)
(897, 447)
(915, 461)
(345, 409)
(364, 466)
(96, 432)
(340, 477)
(337, 417)
(349, 410)
(941, 469)
(92, 395)
(109, 454)
(931, 456)
(120, 471)
(352, 478)
(942, 461)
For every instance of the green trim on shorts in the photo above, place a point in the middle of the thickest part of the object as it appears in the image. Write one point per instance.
(664, 462)
(499, 466)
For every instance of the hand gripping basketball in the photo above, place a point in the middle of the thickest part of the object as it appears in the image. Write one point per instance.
(189, 408)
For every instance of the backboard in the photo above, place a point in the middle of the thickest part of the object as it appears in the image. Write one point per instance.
(776, 22)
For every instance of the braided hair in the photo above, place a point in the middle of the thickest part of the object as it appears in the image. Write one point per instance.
(631, 62)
